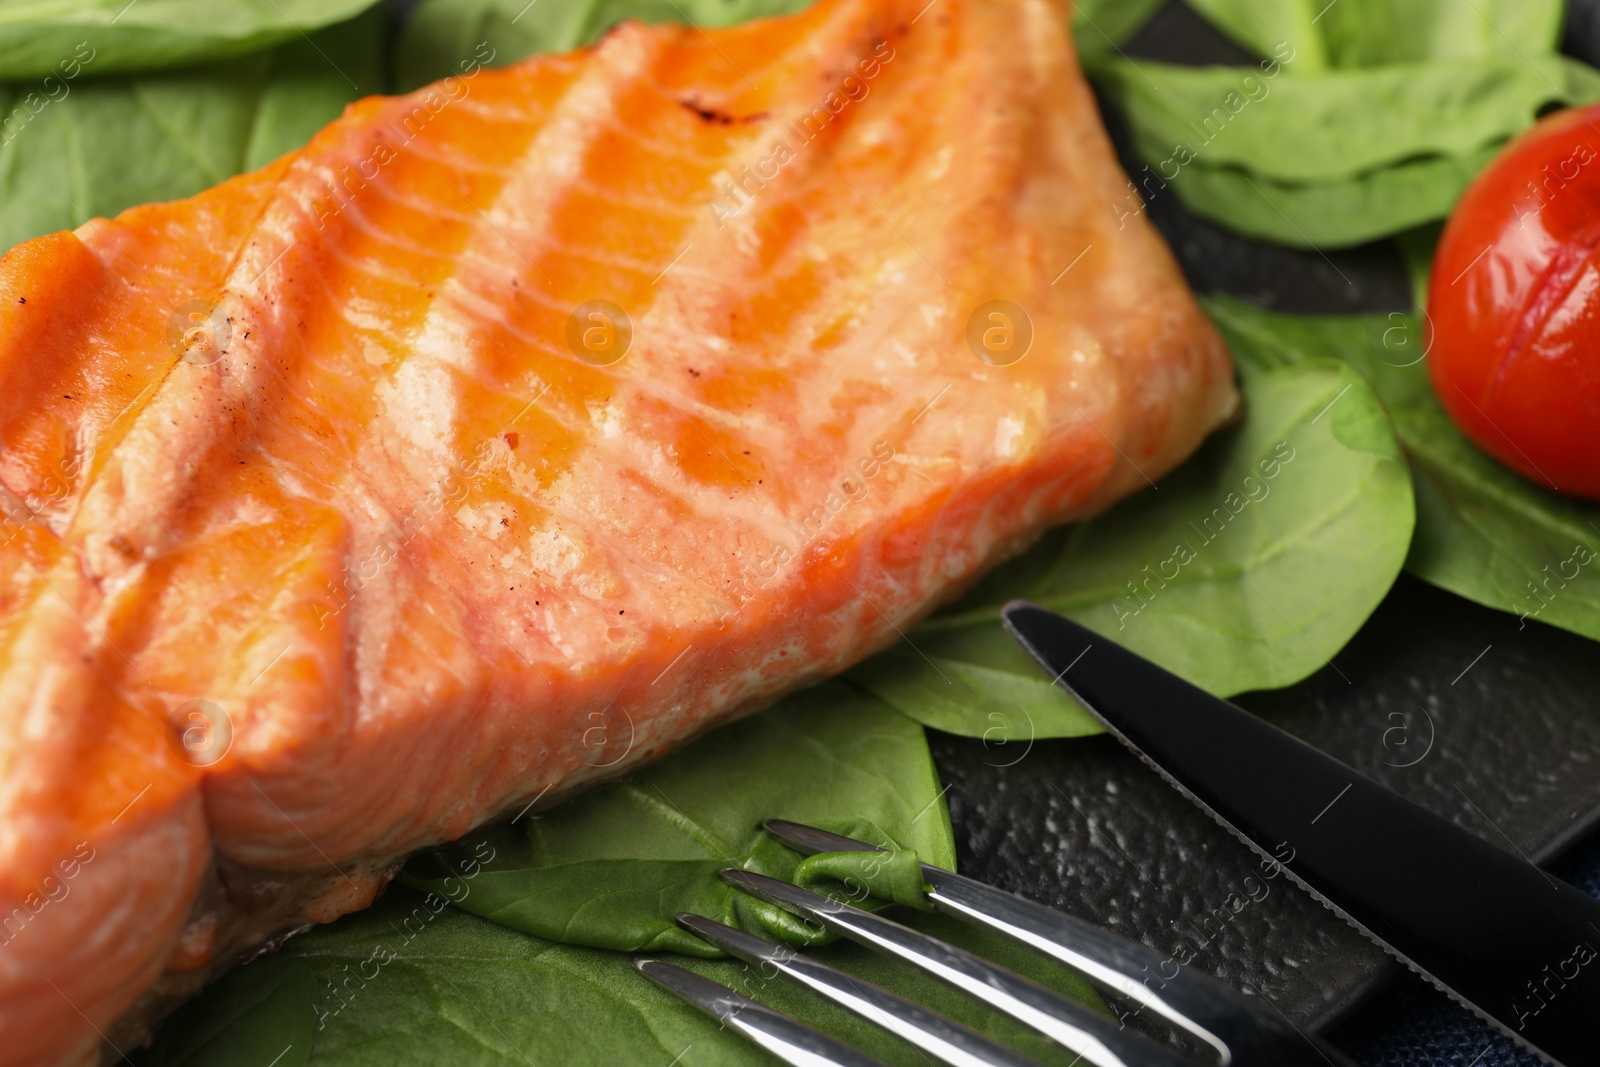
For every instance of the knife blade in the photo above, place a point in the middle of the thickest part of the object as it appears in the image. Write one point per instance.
(1515, 944)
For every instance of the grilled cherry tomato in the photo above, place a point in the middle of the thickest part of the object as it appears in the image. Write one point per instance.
(1514, 302)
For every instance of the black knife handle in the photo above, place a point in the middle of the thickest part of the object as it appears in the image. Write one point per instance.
(1518, 945)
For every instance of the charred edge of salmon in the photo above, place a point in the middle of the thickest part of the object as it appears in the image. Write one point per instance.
(255, 912)
(258, 911)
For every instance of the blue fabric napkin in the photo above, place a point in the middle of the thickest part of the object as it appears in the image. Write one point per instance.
(1412, 1024)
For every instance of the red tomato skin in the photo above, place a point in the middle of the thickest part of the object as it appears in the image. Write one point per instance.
(1514, 303)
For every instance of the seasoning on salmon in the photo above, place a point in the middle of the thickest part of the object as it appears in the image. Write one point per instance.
(516, 430)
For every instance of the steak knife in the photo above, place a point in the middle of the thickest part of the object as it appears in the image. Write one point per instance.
(1515, 944)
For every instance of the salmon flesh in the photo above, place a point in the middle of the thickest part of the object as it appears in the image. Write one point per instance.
(633, 387)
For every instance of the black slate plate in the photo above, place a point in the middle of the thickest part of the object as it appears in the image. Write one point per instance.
(1453, 705)
(1447, 702)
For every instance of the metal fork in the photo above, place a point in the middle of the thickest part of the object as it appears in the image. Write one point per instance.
(1226, 1027)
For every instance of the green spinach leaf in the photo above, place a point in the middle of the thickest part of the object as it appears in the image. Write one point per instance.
(1247, 568)
(1333, 214)
(1338, 125)
(441, 34)
(1369, 33)
(1261, 26)
(109, 144)
(974, 680)
(1367, 117)
(612, 867)
(412, 980)
(1483, 532)
(1101, 26)
(1335, 159)
(268, 1007)
(36, 36)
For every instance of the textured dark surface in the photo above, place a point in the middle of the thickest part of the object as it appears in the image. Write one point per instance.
(1451, 704)
(1506, 746)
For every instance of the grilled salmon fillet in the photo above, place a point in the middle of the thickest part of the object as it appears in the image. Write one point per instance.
(514, 431)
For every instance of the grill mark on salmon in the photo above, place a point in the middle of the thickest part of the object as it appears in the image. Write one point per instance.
(398, 536)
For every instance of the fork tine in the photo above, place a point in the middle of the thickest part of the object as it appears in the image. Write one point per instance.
(933, 1033)
(1215, 1014)
(789, 1039)
(1097, 1039)
(809, 840)
(1238, 1027)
